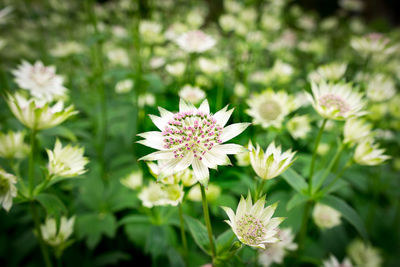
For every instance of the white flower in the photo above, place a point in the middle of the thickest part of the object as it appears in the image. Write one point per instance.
(195, 18)
(195, 41)
(175, 30)
(185, 176)
(157, 62)
(356, 130)
(146, 99)
(364, 255)
(133, 180)
(41, 81)
(36, 114)
(275, 253)
(157, 194)
(336, 101)
(227, 22)
(192, 94)
(192, 137)
(7, 189)
(151, 32)
(240, 90)
(352, 5)
(380, 88)
(5, 14)
(124, 86)
(372, 44)
(323, 148)
(330, 72)
(368, 153)
(252, 224)
(326, 217)
(210, 66)
(66, 161)
(272, 163)
(270, 108)
(299, 126)
(65, 49)
(333, 262)
(118, 56)
(212, 193)
(12, 145)
(176, 69)
(50, 234)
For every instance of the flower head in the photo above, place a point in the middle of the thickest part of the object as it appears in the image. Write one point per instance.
(326, 217)
(368, 153)
(212, 193)
(252, 224)
(333, 262)
(195, 41)
(7, 189)
(299, 126)
(66, 161)
(330, 72)
(36, 114)
(124, 86)
(185, 176)
(176, 69)
(192, 94)
(157, 194)
(270, 108)
(364, 255)
(270, 163)
(12, 145)
(192, 137)
(41, 81)
(50, 234)
(356, 130)
(373, 43)
(380, 88)
(336, 101)
(133, 180)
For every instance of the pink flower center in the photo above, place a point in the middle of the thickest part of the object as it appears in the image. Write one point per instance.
(250, 229)
(334, 102)
(190, 132)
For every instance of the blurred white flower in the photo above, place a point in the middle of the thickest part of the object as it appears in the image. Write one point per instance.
(192, 137)
(124, 86)
(352, 5)
(364, 255)
(380, 88)
(157, 62)
(252, 224)
(394, 106)
(336, 101)
(326, 217)
(176, 69)
(185, 176)
(299, 126)
(211, 66)
(333, 262)
(7, 189)
(175, 30)
(372, 44)
(195, 42)
(157, 194)
(41, 81)
(133, 180)
(195, 18)
(65, 49)
(227, 22)
(151, 32)
(5, 14)
(146, 99)
(118, 56)
(56, 238)
(240, 90)
(368, 153)
(119, 31)
(36, 114)
(269, 108)
(323, 148)
(66, 161)
(12, 145)
(270, 22)
(212, 193)
(329, 72)
(356, 130)
(192, 94)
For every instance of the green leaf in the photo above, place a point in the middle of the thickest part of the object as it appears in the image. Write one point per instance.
(52, 204)
(296, 200)
(156, 241)
(347, 212)
(111, 258)
(295, 180)
(134, 218)
(61, 131)
(199, 233)
(224, 241)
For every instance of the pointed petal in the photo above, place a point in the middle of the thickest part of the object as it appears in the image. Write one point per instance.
(229, 149)
(158, 155)
(184, 163)
(211, 158)
(230, 213)
(158, 121)
(200, 171)
(232, 131)
(241, 209)
(185, 106)
(223, 116)
(205, 107)
(152, 139)
(165, 113)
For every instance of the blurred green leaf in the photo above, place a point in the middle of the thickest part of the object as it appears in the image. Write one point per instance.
(199, 233)
(296, 200)
(52, 204)
(295, 180)
(111, 258)
(134, 219)
(224, 241)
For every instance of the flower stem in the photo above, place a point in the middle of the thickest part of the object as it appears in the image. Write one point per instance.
(337, 177)
(208, 222)
(43, 248)
(183, 235)
(260, 188)
(304, 223)
(317, 140)
(31, 168)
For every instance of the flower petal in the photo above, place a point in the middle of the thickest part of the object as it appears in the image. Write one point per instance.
(159, 155)
(200, 171)
(233, 130)
(223, 116)
(229, 149)
(205, 107)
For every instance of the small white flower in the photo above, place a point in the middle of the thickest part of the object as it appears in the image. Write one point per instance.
(195, 42)
(368, 153)
(364, 255)
(151, 32)
(336, 101)
(380, 88)
(352, 5)
(146, 99)
(323, 148)
(212, 193)
(41, 81)
(176, 69)
(195, 18)
(252, 224)
(133, 180)
(157, 62)
(36, 114)
(118, 56)
(326, 217)
(227, 22)
(333, 262)
(157, 194)
(192, 94)
(5, 14)
(66, 161)
(65, 49)
(50, 234)
(175, 30)
(329, 72)
(210, 66)
(270, 108)
(240, 90)
(272, 163)
(12, 145)
(356, 130)
(372, 44)
(7, 189)
(124, 86)
(299, 126)
(185, 176)
(192, 137)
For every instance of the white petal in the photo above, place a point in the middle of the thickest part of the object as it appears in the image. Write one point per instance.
(241, 209)
(200, 171)
(233, 130)
(204, 107)
(158, 155)
(158, 121)
(185, 106)
(230, 213)
(165, 113)
(184, 163)
(229, 149)
(152, 139)
(223, 116)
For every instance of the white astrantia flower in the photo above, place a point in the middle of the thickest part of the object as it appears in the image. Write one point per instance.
(326, 217)
(124, 86)
(146, 99)
(36, 114)
(195, 42)
(299, 126)
(56, 238)
(12, 145)
(275, 253)
(334, 262)
(380, 88)
(336, 101)
(151, 32)
(252, 224)
(372, 44)
(212, 193)
(176, 69)
(65, 49)
(227, 22)
(212, 66)
(118, 56)
(157, 194)
(66, 161)
(368, 153)
(364, 255)
(133, 180)
(272, 162)
(185, 176)
(192, 137)
(7, 189)
(356, 130)
(270, 108)
(192, 94)
(41, 81)
(329, 72)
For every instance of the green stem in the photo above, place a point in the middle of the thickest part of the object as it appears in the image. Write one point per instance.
(43, 248)
(337, 177)
(260, 188)
(304, 224)
(183, 235)
(208, 222)
(31, 168)
(317, 140)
